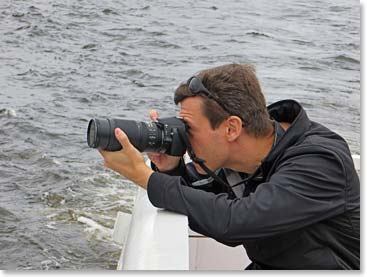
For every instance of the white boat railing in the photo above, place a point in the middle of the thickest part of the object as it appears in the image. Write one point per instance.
(357, 162)
(156, 239)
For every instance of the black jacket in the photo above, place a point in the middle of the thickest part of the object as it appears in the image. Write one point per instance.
(301, 213)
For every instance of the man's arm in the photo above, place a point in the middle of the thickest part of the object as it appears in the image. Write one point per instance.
(300, 193)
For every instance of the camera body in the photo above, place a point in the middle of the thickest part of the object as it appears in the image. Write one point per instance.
(166, 135)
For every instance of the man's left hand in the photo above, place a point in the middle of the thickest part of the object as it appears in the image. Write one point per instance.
(129, 162)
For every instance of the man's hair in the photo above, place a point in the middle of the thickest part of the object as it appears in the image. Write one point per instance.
(239, 90)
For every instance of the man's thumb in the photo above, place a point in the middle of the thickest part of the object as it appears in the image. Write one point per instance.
(122, 138)
(153, 115)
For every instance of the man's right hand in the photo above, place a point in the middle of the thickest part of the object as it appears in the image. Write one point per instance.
(163, 162)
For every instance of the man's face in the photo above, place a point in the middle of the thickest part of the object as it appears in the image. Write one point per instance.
(208, 144)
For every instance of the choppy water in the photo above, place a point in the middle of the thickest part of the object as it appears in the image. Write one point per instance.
(64, 62)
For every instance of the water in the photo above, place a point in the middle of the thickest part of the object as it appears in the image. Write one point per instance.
(64, 62)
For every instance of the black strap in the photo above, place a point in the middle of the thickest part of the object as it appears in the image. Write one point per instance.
(278, 134)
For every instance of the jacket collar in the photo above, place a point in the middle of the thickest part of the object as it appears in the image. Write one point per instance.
(292, 112)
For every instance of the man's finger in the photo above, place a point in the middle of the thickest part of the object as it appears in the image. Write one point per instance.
(153, 154)
(153, 114)
(102, 152)
(122, 138)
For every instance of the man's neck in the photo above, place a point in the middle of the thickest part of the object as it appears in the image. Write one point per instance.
(250, 151)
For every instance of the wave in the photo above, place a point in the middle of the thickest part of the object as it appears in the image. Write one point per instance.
(258, 34)
(6, 216)
(7, 112)
(345, 58)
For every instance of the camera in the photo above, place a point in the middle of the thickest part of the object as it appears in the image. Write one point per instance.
(166, 135)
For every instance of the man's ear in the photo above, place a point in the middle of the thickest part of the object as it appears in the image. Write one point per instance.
(233, 127)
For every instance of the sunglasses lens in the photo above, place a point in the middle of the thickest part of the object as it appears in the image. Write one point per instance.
(195, 85)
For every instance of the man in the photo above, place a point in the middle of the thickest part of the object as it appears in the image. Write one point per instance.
(285, 187)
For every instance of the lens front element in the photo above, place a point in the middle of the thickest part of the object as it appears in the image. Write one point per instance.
(92, 133)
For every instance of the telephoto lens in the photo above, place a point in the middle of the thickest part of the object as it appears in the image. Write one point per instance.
(166, 135)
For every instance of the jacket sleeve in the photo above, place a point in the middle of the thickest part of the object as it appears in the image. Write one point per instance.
(303, 190)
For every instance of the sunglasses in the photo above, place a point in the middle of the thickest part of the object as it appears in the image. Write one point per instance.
(196, 87)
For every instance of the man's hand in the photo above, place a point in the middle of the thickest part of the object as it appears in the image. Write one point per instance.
(129, 162)
(163, 162)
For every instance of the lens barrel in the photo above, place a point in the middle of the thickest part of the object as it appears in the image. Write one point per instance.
(164, 135)
(143, 136)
